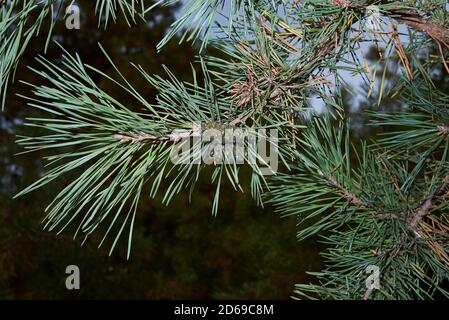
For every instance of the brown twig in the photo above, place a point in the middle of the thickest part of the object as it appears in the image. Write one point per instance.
(416, 22)
(439, 34)
(345, 193)
(401, 53)
(418, 214)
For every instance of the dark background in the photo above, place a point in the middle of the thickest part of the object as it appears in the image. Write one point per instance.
(180, 251)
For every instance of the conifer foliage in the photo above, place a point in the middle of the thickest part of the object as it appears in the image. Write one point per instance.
(377, 204)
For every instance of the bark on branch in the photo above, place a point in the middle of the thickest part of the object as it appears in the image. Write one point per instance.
(433, 30)
(415, 219)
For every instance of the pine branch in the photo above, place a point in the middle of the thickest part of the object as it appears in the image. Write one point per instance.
(352, 198)
(345, 193)
(417, 216)
(362, 205)
(413, 19)
(122, 150)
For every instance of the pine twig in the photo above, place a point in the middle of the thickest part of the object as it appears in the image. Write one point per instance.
(345, 193)
(417, 216)
(352, 198)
